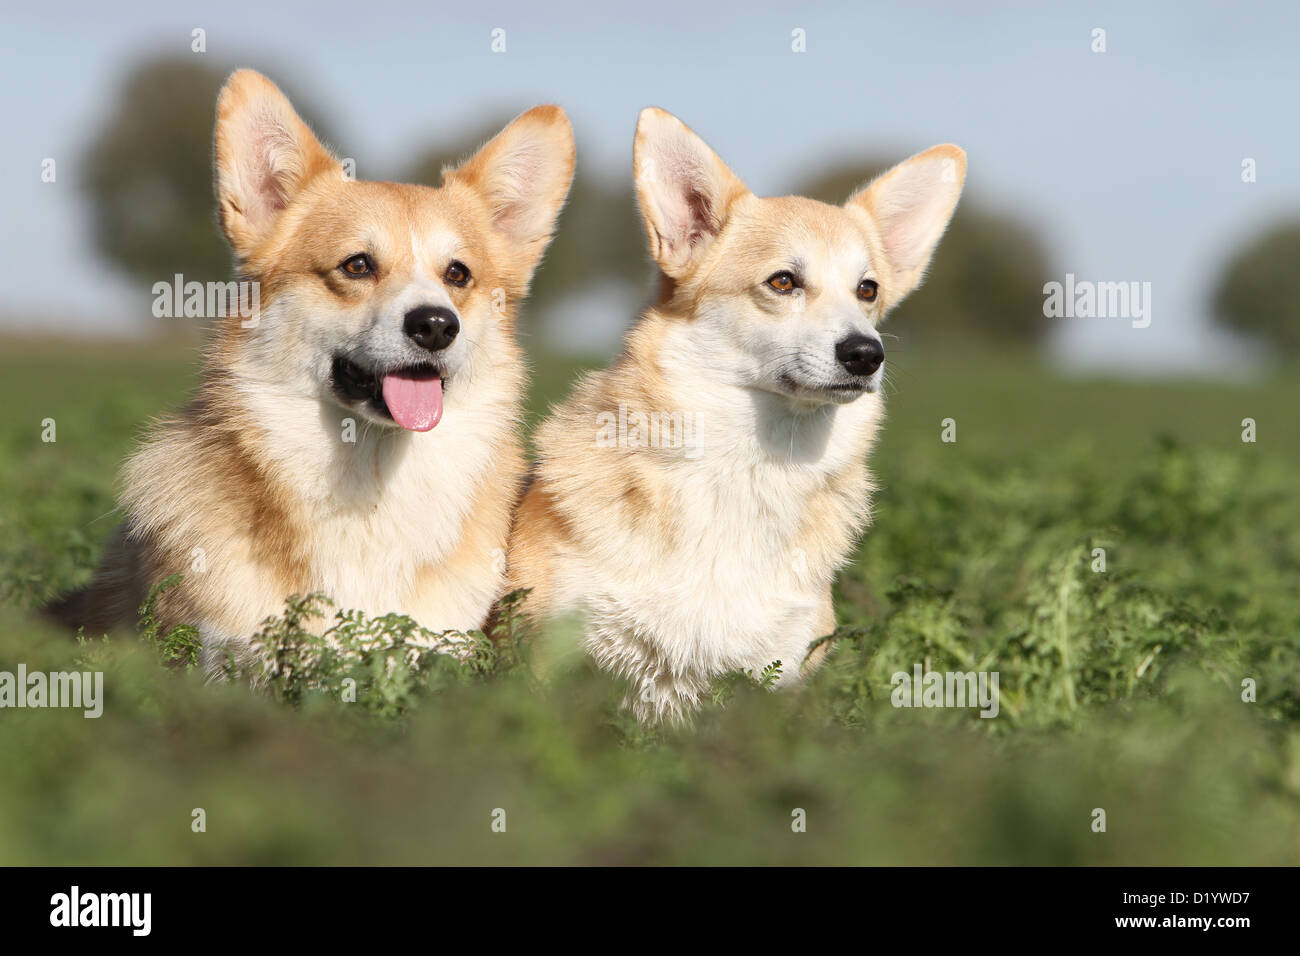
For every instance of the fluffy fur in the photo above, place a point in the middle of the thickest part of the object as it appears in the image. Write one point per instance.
(254, 491)
(692, 558)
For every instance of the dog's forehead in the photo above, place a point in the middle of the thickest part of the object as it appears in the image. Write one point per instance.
(446, 223)
(402, 221)
(802, 227)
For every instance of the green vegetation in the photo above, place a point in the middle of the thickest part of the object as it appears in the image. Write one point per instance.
(1259, 291)
(1120, 689)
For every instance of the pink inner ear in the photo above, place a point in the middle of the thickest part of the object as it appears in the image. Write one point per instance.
(510, 218)
(271, 191)
(268, 170)
(686, 210)
(912, 213)
(702, 221)
(517, 190)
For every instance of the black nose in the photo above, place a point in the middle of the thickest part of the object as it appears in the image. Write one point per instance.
(431, 327)
(860, 354)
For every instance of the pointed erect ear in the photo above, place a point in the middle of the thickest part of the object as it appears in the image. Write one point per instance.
(265, 155)
(911, 205)
(684, 189)
(524, 173)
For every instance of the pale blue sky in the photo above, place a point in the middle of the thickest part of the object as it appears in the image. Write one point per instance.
(1127, 161)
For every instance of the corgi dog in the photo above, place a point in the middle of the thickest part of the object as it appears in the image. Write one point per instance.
(693, 502)
(360, 436)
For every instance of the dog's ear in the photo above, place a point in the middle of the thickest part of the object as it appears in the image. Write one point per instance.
(265, 154)
(524, 173)
(911, 205)
(685, 191)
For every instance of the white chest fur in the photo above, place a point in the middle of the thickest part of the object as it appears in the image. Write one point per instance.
(376, 506)
(730, 588)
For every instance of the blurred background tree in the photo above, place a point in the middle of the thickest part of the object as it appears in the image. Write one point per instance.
(149, 171)
(985, 283)
(1259, 291)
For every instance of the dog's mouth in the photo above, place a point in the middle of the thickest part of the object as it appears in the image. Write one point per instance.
(848, 388)
(410, 395)
(841, 391)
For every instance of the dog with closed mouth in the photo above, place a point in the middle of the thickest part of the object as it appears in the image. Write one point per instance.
(694, 501)
(360, 436)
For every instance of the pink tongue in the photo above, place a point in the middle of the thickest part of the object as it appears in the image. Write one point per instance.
(414, 402)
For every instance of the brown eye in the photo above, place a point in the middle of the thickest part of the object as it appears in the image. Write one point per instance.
(358, 265)
(867, 290)
(782, 282)
(457, 273)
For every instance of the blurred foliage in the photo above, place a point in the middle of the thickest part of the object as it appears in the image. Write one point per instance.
(1119, 689)
(1259, 292)
(148, 170)
(985, 282)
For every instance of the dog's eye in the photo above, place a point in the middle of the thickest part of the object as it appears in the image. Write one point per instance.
(867, 290)
(457, 273)
(782, 282)
(359, 265)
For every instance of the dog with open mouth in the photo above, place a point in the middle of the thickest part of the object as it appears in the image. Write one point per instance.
(694, 500)
(360, 435)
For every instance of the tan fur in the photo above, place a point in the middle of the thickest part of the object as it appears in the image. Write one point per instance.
(251, 492)
(687, 567)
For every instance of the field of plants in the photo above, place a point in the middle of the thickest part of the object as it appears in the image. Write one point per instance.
(1163, 689)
